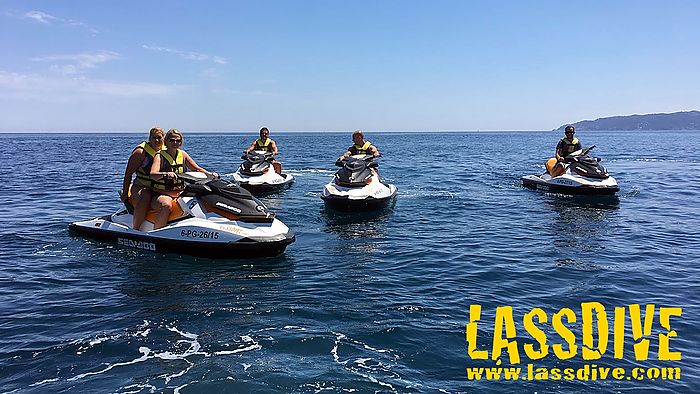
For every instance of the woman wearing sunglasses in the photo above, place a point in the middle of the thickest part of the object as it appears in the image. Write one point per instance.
(140, 163)
(166, 165)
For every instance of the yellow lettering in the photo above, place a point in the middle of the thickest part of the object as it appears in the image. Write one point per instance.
(587, 350)
(565, 334)
(618, 373)
(504, 316)
(619, 332)
(536, 333)
(541, 373)
(641, 347)
(569, 374)
(664, 317)
(474, 317)
(555, 374)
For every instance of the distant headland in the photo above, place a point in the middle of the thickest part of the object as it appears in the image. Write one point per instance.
(689, 120)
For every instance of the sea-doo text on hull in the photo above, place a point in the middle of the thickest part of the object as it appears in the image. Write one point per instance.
(257, 174)
(355, 187)
(582, 175)
(210, 218)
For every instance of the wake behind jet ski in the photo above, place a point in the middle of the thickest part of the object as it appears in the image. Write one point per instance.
(257, 173)
(582, 174)
(210, 218)
(356, 187)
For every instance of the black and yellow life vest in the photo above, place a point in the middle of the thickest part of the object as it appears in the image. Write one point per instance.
(143, 173)
(360, 150)
(170, 164)
(569, 146)
(266, 146)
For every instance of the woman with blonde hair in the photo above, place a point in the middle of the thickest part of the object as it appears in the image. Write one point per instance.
(166, 165)
(140, 163)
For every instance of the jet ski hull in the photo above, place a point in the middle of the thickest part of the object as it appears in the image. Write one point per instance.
(103, 229)
(570, 186)
(366, 198)
(346, 204)
(210, 218)
(257, 185)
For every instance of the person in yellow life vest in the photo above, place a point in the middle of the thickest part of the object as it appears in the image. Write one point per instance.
(267, 144)
(361, 147)
(166, 185)
(140, 163)
(566, 146)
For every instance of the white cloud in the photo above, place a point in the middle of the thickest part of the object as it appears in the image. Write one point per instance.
(189, 55)
(74, 64)
(41, 17)
(48, 19)
(18, 86)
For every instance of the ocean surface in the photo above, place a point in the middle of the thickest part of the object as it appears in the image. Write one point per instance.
(359, 303)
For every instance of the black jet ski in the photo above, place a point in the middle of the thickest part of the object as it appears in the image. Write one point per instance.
(210, 218)
(583, 175)
(355, 187)
(257, 174)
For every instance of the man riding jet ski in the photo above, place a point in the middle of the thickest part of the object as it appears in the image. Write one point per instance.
(356, 185)
(255, 174)
(210, 218)
(581, 174)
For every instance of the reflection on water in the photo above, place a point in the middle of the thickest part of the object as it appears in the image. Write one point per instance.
(171, 282)
(356, 225)
(581, 229)
(366, 230)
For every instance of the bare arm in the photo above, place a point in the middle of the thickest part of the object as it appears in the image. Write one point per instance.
(132, 165)
(155, 168)
(557, 152)
(375, 151)
(273, 145)
(250, 148)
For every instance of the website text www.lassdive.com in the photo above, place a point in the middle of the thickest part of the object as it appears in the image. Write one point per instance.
(587, 372)
(595, 334)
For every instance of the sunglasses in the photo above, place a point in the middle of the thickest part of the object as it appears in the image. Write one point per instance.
(157, 138)
(175, 140)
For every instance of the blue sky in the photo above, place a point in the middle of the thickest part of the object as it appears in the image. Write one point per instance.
(342, 65)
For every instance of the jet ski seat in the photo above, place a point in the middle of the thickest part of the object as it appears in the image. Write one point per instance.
(175, 212)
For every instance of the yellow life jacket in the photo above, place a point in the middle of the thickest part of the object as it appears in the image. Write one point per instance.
(143, 173)
(170, 164)
(571, 145)
(259, 145)
(360, 150)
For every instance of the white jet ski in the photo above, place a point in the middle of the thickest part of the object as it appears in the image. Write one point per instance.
(256, 173)
(583, 175)
(356, 188)
(211, 218)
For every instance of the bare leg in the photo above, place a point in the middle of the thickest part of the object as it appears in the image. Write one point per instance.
(163, 204)
(142, 199)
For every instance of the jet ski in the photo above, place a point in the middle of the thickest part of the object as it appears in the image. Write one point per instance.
(256, 173)
(355, 187)
(583, 175)
(211, 218)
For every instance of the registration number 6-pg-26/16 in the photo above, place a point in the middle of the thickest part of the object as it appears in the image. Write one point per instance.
(200, 234)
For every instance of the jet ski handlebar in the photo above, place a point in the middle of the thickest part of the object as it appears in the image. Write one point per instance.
(254, 154)
(581, 153)
(369, 158)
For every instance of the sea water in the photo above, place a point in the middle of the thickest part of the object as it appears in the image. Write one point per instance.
(359, 303)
